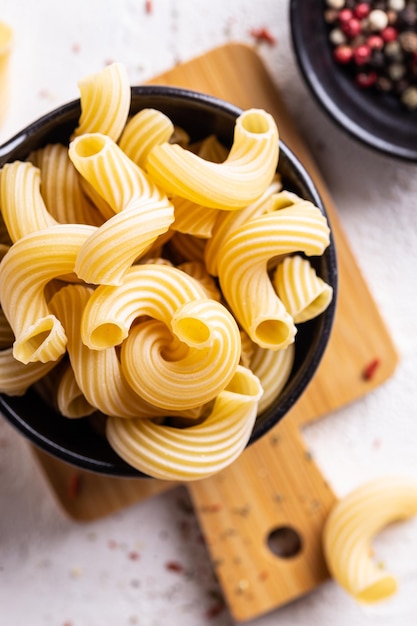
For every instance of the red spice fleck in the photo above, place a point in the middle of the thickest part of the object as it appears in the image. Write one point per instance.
(212, 508)
(148, 7)
(76, 48)
(215, 610)
(112, 544)
(263, 575)
(44, 93)
(174, 566)
(134, 556)
(370, 369)
(74, 485)
(377, 443)
(263, 34)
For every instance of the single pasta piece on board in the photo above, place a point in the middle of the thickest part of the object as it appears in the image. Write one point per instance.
(351, 526)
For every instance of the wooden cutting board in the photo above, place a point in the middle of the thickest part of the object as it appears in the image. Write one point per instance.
(263, 516)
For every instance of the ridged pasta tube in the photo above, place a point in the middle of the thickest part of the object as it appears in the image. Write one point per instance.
(71, 401)
(229, 221)
(61, 187)
(304, 294)
(154, 290)
(107, 255)
(97, 372)
(243, 274)
(273, 368)
(192, 218)
(166, 375)
(194, 452)
(233, 184)
(116, 179)
(23, 208)
(351, 526)
(6, 332)
(17, 377)
(25, 270)
(143, 131)
(105, 102)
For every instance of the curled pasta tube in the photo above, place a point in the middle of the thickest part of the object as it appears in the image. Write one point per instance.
(351, 526)
(238, 181)
(229, 221)
(92, 367)
(304, 294)
(71, 401)
(105, 101)
(16, 377)
(25, 270)
(192, 218)
(115, 178)
(243, 274)
(106, 256)
(144, 130)
(22, 205)
(166, 374)
(198, 451)
(273, 368)
(153, 289)
(61, 187)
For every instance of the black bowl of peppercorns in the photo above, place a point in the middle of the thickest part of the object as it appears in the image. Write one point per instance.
(359, 58)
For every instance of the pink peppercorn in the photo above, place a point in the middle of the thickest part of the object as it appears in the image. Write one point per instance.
(351, 28)
(366, 79)
(362, 10)
(375, 42)
(343, 54)
(389, 34)
(362, 54)
(345, 15)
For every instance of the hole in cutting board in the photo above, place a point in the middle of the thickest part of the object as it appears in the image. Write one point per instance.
(285, 542)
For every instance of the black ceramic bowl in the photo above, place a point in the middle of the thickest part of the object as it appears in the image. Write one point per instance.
(378, 120)
(77, 441)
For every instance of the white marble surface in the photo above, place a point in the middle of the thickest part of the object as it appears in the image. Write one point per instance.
(113, 572)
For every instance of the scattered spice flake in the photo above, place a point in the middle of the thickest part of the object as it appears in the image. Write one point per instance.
(263, 575)
(45, 94)
(215, 610)
(112, 544)
(74, 485)
(377, 443)
(263, 34)
(369, 371)
(174, 566)
(76, 572)
(134, 556)
(148, 7)
(242, 586)
(75, 48)
(212, 508)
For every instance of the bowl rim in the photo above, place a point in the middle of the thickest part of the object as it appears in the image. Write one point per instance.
(67, 111)
(329, 105)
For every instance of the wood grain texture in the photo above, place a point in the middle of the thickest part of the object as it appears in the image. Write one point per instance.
(275, 483)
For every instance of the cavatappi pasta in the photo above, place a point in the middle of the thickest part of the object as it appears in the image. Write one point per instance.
(159, 274)
(352, 525)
